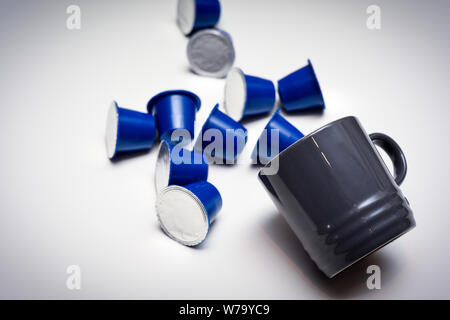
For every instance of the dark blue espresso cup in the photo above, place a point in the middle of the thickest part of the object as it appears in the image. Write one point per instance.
(337, 194)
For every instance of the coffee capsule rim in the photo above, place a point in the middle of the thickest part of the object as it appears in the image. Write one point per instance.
(202, 211)
(223, 71)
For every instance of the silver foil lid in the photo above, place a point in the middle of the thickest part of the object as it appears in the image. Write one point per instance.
(211, 53)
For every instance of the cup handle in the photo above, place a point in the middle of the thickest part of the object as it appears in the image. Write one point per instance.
(394, 152)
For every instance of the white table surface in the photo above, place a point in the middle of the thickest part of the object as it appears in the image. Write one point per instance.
(64, 203)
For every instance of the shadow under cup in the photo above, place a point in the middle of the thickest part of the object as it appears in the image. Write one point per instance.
(337, 194)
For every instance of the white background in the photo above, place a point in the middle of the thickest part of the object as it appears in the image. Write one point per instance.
(64, 203)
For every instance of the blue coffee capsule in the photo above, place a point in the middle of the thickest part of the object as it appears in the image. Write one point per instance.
(197, 14)
(178, 166)
(247, 95)
(265, 148)
(174, 110)
(186, 212)
(300, 90)
(128, 130)
(221, 137)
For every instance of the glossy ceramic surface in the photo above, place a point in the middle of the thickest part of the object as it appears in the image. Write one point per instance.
(337, 194)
